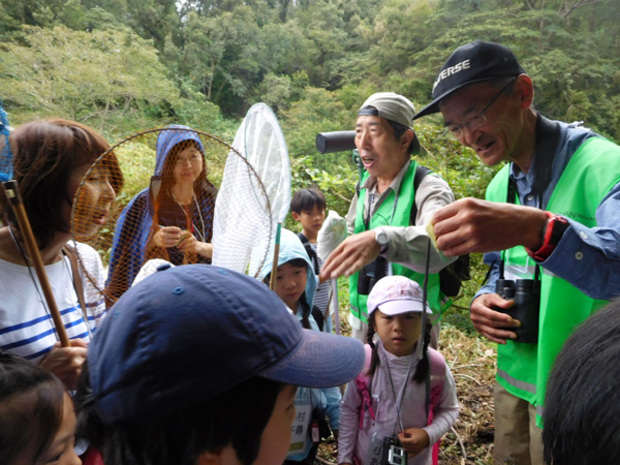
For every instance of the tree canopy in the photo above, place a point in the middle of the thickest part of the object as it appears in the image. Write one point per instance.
(125, 65)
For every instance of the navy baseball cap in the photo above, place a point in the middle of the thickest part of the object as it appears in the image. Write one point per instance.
(188, 333)
(474, 62)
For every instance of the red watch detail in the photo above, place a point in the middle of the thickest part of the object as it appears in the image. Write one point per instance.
(552, 233)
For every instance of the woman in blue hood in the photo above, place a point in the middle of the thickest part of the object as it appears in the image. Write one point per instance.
(172, 219)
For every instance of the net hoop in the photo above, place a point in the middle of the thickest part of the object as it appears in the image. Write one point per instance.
(107, 160)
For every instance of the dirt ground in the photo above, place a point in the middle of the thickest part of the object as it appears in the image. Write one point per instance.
(472, 362)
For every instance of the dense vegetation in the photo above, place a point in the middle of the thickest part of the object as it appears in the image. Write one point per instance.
(126, 65)
(123, 66)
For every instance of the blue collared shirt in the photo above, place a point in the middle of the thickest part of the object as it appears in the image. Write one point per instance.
(588, 258)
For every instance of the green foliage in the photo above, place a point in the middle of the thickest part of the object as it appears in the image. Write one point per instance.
(337, 185)
(318, 110)
(137, 162)
(89, 77)
(396, 40)
(285, 48)
(123, 66)
(323, 25)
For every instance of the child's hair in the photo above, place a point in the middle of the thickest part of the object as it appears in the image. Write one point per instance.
(31, 408)
(303, 303)
(237, 416)
(422, 369)
(307, 199)
(581, 404)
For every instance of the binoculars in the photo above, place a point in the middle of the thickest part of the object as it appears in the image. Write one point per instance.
(526, 309)
(370, 274)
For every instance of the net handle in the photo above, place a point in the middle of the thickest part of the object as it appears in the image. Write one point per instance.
(12, 193)
(276, 256)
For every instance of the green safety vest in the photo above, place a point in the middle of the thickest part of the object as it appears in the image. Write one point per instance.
(401, 217)
(523, 369)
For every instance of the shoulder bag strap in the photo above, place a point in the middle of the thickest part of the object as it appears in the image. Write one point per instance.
(77, 281)
(420, 173)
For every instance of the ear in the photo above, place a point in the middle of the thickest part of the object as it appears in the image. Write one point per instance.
(210, 458)
(525, 90)
(223, 456)
(296, 216)
(405, 141)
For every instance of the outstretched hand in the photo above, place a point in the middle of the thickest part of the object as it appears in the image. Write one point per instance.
(351, 255)
(473, 225)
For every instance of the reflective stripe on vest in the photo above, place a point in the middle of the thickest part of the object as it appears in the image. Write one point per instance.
(592, 172)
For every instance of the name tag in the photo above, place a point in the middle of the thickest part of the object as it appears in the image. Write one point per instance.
(299, 430)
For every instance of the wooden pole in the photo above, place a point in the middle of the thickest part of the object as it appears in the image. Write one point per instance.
(12, 193)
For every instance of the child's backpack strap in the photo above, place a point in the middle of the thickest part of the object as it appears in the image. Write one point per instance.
(318, 317)
(438, 374)
(310, 251)
(363, 382)
(438, 377)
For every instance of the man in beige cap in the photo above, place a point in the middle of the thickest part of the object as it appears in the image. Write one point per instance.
(392, 206)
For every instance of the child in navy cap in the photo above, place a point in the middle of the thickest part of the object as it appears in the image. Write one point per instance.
(198, 365)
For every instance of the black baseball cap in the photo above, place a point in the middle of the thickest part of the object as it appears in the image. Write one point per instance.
(471, 63)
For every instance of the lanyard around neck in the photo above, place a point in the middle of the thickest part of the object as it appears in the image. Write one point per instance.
(369, 200)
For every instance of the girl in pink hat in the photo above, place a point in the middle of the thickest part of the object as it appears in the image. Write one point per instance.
(389, 405)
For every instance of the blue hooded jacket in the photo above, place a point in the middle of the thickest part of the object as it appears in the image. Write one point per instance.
(327, 400)
(134, 227)
(291, 248)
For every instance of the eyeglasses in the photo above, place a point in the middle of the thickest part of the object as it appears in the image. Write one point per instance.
(192, 159)
(475, 122)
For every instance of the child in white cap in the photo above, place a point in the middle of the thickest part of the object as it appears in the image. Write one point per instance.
(389, 401)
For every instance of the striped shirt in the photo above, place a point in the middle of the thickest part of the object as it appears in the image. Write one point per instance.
(321, 298)
(26, 326)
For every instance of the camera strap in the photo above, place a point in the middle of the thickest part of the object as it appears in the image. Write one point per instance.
(546, 145)
(399, 420)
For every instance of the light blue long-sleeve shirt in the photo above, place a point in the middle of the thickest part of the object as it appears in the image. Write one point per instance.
(588, 258)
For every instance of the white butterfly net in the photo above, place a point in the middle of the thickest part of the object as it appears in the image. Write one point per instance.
(255, 195)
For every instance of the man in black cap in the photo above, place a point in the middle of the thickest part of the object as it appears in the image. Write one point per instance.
(549, 227)
(388, 216)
